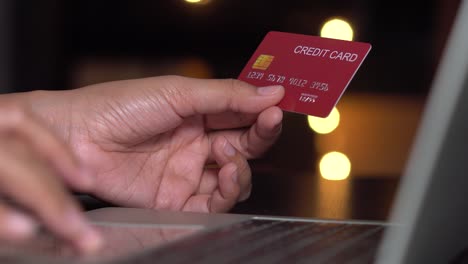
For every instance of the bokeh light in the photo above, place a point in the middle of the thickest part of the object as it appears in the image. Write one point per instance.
(335, 166)
(325, 125)
(337, 29)
(197, 1)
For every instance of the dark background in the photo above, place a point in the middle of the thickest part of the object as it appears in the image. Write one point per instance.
(52, 44)
(49, 37)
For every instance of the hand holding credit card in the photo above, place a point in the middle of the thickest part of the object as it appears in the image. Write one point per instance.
(314, 71)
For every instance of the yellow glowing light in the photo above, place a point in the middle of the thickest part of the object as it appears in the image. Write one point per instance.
(335, 166)
(337, 29)
(197, 1)
(325, 125)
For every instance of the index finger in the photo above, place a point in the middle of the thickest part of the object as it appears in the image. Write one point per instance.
(18, 121)
(31, 183)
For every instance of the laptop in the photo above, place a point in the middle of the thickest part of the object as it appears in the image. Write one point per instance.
(429, 222)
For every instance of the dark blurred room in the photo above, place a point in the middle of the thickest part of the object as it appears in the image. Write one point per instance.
(57, 45)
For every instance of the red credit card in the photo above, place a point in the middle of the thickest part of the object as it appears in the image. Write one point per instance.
(314, 71)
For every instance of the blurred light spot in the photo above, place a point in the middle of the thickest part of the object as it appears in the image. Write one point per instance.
(325, 125)
(197, 1)
(335, 166)
(195, 67)
(337, 29)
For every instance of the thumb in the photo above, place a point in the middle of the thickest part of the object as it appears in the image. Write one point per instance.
(203, 96)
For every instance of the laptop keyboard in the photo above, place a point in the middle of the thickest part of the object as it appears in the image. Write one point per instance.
(272, 241)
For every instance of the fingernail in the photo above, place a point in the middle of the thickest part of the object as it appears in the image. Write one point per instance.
(269, 90)
(229, 149)
(246, 195)
(21, 225)
(277, 128)
(235, 176)
(91, 241)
